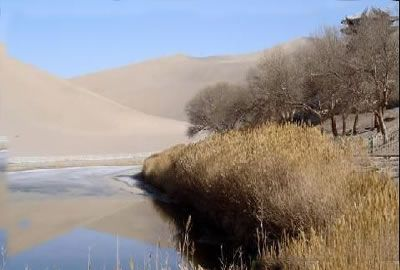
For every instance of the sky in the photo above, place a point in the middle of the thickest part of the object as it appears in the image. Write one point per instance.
(75, 37)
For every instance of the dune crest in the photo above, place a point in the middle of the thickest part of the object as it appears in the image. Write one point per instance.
(163, 86)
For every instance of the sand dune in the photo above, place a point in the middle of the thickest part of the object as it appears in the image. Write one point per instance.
(122, 110)
(44, 115)
(163, 86)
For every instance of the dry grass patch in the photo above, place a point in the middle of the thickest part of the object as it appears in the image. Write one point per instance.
(287, 178)
(365, 237)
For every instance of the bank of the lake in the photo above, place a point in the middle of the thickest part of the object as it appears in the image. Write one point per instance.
(24, 163)
(286, 186)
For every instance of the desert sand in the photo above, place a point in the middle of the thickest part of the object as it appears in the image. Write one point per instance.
(45, 115)
(163, 86)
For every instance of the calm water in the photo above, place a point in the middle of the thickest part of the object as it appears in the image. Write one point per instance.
(50, 219)
(71, 251)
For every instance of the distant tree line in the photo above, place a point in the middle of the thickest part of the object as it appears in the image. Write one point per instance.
(353, 69)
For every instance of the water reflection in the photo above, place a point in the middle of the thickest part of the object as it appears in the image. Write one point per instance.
(71, 251)
(53, 216)
(211, 248)
(3, 190)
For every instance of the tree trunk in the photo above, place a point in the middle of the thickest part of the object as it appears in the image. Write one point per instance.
(355, 124)
(333, 126)
(320, 125)
(292, 116)
(376, 123)
(385, 98)
(383, 110)
(382, 126)
(344, 117)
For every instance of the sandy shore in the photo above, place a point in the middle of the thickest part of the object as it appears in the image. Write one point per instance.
(54, 162)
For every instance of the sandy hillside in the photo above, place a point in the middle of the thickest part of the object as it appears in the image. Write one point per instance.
(44, 115)
(163, 86)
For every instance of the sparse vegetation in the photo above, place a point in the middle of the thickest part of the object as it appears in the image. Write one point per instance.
(340, 71)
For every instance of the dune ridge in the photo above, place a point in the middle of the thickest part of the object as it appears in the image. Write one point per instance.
(163, 86)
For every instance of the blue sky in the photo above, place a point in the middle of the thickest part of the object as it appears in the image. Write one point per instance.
(73, 37)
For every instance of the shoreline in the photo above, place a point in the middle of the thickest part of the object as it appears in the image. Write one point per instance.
(15, 164)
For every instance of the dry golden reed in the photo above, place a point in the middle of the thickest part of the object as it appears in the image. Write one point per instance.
(365, 237)
(290, 186)
(286, 177)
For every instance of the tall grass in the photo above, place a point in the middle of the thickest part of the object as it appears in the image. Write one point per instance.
(286, 178)
(365, 237)
(288, 190)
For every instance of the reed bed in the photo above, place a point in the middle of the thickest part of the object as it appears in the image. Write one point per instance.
(288, 191)
(286, 178)
(365, 237)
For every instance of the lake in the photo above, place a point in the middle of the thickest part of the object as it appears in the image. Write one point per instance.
(69, 218)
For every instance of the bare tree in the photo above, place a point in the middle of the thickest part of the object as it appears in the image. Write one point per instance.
(219, 108)
(329, 76)
(375, 48)
(274, 88)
